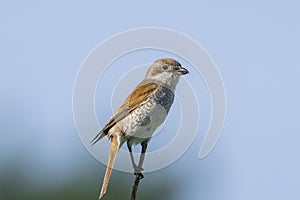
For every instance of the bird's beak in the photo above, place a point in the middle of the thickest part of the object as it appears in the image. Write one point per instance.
(183, 71)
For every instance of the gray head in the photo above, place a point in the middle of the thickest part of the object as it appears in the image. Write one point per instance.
(166, 71)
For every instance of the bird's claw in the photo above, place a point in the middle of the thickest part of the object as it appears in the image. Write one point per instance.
(139, 175)
(138, 172)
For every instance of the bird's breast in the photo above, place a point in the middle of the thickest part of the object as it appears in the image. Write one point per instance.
(143, 121)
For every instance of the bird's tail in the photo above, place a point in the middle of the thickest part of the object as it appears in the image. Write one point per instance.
(114, 147)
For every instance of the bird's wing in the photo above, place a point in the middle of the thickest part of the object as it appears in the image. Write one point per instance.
(133, 101)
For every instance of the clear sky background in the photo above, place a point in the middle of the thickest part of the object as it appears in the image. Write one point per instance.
(255, 45)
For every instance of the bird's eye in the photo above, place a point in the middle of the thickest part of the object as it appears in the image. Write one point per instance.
(165, 67)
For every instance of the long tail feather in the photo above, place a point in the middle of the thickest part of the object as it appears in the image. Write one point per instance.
(114, 147)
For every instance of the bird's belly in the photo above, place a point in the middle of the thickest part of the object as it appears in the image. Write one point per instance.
(142, 122)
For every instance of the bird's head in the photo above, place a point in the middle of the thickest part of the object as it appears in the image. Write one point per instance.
(166, 71)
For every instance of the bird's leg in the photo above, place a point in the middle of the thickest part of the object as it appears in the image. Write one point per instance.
(141, 161)
(135, 167)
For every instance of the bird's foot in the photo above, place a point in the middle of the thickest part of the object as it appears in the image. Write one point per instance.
(138, 172)
(139, 175)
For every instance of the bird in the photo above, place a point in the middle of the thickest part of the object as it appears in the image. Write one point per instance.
(142, 112)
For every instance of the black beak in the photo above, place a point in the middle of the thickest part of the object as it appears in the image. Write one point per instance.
(183, 71)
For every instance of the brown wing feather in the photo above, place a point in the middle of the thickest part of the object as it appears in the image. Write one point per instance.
(134, 100)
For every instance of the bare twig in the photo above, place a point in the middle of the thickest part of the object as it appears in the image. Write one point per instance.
(135, 187)
(137, 172)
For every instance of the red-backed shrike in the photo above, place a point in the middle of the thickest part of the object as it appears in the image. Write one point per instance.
(141, 113)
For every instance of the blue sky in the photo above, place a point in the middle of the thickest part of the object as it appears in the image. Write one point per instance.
(255, 45)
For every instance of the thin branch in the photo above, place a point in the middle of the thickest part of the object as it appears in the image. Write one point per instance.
(135, 187)
(137, 172)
